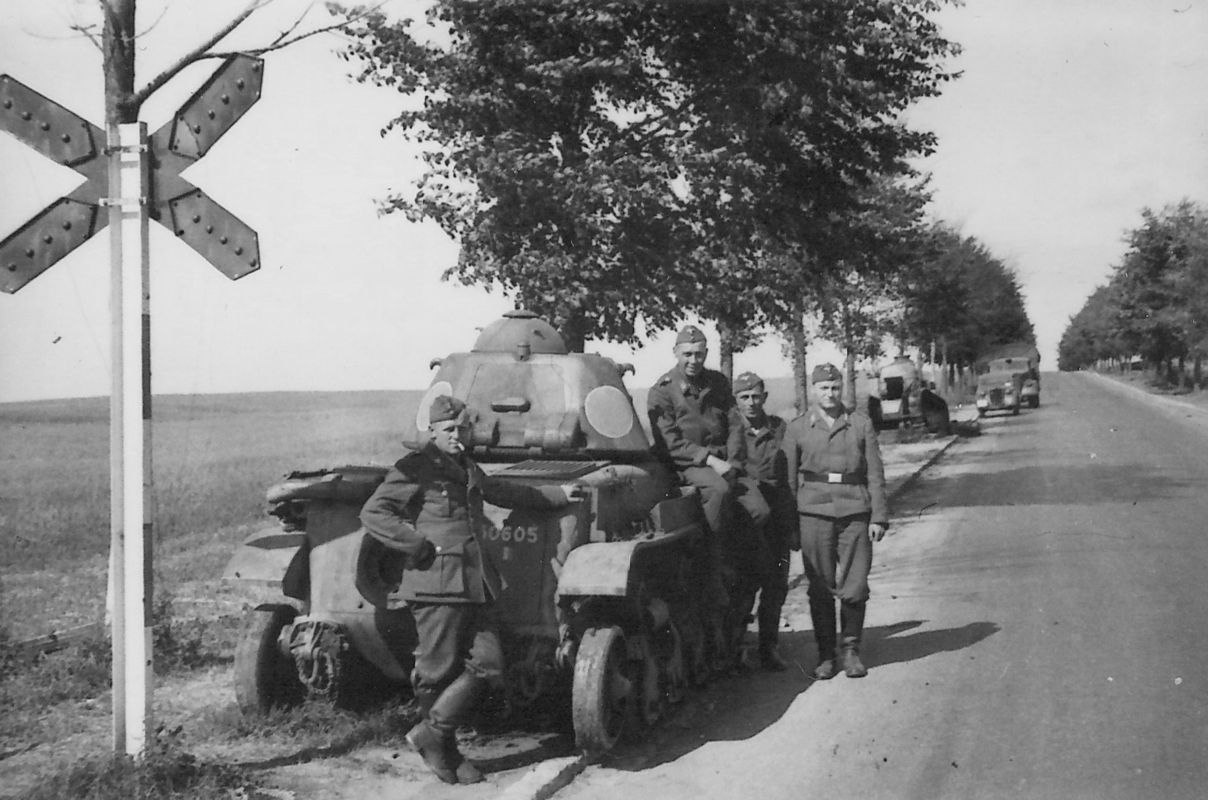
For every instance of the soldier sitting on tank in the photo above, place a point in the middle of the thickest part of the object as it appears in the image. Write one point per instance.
(689, 410)
(755, 445)
(429, 507)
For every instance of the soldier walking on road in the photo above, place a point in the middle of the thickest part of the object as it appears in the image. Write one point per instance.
(756, 439)
(430, 509)
(834, 461)
(689, 410)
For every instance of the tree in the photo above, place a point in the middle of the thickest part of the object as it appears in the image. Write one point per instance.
(608, 161)
(1091, 334)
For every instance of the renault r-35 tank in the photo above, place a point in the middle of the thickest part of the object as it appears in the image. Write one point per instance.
(601, 601)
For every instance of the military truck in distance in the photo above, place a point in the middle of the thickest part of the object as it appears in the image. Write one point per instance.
(1020, 358)
(601, 602)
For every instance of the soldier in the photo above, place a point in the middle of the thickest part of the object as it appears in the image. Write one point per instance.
(835, 464)
(430, 508)
(755, 443)
(689, 410)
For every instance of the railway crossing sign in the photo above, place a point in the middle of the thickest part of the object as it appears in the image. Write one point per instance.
(62, 136)
(130, 178)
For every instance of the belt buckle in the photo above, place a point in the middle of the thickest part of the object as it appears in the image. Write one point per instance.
(834, 477)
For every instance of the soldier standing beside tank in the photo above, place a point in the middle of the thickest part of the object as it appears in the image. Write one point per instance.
(755, 444)
(834, 462)
(429, 507)
(689, 410)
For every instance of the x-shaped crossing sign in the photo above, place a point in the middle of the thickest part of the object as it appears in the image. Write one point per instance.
(222, 238)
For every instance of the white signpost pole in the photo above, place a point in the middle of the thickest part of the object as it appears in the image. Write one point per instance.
(130, 437)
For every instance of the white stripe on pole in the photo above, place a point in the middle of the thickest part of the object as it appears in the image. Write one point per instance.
(130, 488)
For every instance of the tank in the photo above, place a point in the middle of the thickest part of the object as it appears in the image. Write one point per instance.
(601, 609)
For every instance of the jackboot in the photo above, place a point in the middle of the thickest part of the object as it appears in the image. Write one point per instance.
(852, 616)
(430, 744)
(822, 613)
(451, 709)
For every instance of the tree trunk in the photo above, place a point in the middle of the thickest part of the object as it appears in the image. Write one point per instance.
(117, 44)
(796, 336)
(725, 349)
(573, 330)
(849, 362)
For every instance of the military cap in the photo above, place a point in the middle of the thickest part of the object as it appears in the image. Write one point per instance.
(747, 381)
(825, 372)
(690, 334)
(444, 408)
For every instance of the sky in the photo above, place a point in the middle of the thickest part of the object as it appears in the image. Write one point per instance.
(1070, 117)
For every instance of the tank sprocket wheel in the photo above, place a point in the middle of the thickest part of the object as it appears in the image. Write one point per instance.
(604, 690)
(265, 678)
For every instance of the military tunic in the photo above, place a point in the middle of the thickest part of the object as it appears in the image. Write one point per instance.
(429, 507)
(834, 516)
(760, 454)
(689, 419)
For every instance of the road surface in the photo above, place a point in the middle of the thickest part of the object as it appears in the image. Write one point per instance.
(1039, 629)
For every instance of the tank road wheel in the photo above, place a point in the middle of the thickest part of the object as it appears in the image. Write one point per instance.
(604, 688)
(264, 676)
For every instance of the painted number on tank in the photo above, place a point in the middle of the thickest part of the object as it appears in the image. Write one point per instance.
(517, 534)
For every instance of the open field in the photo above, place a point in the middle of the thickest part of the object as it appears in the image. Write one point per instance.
(214, 456)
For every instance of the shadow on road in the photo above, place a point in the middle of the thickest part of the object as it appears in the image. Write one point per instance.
(742, 706)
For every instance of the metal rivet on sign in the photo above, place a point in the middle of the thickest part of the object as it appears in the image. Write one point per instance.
(239, 83)
(67, 225)
(8, 103)
(255, 67)
(196, 218)
(25, 115)
(238, 251)
(222, 240)
(180, 233)
(48, 238)
(226, 99)
(12, 267)
(45, 126)
(29, 252)
(209, 229)
(252, 262)
(66, 137)
(196, 129)
(210, 114)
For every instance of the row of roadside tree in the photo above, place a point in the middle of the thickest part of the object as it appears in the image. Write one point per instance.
(622, 166)
(1153, 311)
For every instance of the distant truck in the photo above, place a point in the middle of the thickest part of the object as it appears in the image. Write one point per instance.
(1018, 360)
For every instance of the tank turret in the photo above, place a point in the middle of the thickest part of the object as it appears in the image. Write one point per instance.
(532, 398)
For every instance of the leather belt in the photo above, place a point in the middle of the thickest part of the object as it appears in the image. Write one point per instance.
(848, 478)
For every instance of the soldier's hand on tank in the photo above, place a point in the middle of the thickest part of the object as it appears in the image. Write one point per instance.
(876, 531)
(423, 557)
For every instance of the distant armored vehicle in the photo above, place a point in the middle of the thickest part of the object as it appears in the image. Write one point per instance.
(903, 399)
(601, 601)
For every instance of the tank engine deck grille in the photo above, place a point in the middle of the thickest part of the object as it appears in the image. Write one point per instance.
(552, 470)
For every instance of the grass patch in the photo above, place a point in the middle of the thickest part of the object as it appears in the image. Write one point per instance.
(165, 771)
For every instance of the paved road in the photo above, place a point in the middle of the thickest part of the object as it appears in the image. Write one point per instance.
(1039, 629)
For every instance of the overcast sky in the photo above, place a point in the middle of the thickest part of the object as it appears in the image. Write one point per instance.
(1071, 116)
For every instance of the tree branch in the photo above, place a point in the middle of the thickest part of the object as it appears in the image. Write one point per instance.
(197, 53)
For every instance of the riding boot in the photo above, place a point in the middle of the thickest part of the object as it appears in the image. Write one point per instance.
(451, 710)
(852, 616)
(769, 633)
(822, 612)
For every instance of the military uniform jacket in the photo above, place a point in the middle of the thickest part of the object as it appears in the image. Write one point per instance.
(850, 446)
(690, 419)
(428, 497)
(759, 453)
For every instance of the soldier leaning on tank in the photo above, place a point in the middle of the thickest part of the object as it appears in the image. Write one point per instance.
(430, 508)
(689, 409)
(755, 444)
(834, 462)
